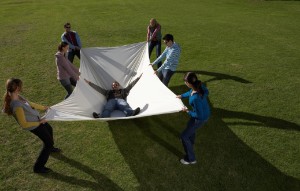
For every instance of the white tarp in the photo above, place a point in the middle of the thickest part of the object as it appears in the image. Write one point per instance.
(104, 65)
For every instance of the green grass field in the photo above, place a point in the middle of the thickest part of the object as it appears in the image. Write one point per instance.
(246, 51)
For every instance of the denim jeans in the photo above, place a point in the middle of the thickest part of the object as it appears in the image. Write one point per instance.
(67, 84)
(116, 104)
(45, 133)
(188, 138)
(72, 54)
(166, 75)
(157, 45)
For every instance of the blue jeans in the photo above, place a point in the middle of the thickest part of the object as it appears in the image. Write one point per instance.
(116, 104)
(188, 138)
(157, 45)
(165, 76)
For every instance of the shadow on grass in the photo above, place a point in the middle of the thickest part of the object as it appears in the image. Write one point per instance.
(256, 120)
(167, 126)
(102, 182)
(218, 76)
(151, 147)
(224, 161)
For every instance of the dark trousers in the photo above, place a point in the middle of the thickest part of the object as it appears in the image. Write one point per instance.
(188, 138)
(72, 54)
(157, 45)
(45, 133)
(67, 84)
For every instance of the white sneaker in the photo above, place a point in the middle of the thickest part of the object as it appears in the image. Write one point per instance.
(193, 162)
(186, 162)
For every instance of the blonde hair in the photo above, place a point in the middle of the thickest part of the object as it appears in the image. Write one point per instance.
(154, 21)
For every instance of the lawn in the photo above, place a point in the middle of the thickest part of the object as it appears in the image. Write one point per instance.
(247, 53)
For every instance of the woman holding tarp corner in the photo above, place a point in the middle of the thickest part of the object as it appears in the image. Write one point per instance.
(67, 73)
(199, 114)
(26, 114)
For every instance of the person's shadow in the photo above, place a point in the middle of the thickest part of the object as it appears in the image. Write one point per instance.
(151, 146)
(217, 76)
(101, 181)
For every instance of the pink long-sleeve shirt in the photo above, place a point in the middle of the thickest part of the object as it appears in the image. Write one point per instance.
(65, 69)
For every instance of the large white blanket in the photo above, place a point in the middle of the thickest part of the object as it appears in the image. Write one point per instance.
(102, 66)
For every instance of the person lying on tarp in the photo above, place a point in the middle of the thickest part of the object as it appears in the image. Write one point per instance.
(116, 99)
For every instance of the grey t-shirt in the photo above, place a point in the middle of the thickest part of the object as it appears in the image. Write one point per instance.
(31, 115)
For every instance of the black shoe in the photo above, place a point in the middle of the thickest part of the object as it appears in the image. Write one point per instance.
(55, 150)
(48, 169)
(136, 111)
(95, 115)
(42, 170)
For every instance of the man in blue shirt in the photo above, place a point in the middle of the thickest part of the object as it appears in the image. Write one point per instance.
(172, 54)
(72, 38)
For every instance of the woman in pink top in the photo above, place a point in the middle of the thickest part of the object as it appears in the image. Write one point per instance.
(154, 38)
(67, 73)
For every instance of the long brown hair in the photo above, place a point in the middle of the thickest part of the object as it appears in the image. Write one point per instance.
(192, 79)
(62, 45)
(11, 85)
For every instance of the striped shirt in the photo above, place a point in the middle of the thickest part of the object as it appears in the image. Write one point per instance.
(172, 55)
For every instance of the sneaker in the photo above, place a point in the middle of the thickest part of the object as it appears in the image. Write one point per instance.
(96, 115)
(48, 169)
(186, 162)
(55, 150)
(42, 170)
(136, 111)
(193, 162)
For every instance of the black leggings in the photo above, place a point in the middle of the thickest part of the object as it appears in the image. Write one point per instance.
(45, 133)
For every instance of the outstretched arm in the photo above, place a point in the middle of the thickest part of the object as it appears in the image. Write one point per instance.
(162, 56)
(97, 88)
(37, 106)
(128, 88)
